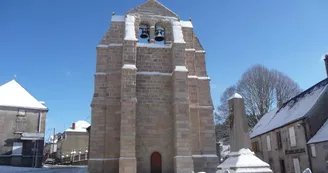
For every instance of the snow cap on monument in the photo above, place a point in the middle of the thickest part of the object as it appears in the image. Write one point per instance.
(236, 96)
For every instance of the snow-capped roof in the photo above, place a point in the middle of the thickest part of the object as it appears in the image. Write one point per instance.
(12, 94)
(321, 135)
(293, 110)
(80, 126)
(235, 96)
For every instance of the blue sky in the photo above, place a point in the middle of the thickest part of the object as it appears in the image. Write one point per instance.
(50, 45)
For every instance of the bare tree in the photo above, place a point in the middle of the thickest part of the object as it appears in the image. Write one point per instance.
(257, 88)
(260, 88)
(285, 87)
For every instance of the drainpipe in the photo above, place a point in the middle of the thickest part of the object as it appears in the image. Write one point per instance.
(39, 122)
(306, 140)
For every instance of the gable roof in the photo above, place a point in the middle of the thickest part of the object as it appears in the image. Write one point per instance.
(80, 126)
(153, 7)
(12, 94)
(292, 110)
(321, 135)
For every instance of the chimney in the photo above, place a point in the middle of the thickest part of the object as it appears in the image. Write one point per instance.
(326, 63)
(73, 126)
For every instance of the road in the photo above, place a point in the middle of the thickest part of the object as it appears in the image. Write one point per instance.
(46, 169)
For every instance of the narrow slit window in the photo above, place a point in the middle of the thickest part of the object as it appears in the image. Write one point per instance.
(292, 137)
(268, 142)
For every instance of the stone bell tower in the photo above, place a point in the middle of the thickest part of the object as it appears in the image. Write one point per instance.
(151, 110)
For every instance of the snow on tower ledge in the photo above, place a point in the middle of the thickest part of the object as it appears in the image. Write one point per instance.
(181, 68)
(177, 32)
(118, 18)
(235, 96)
(129, 66)
(186, 24)
(130, 29)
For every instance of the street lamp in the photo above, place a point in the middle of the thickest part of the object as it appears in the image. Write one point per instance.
(86, 154)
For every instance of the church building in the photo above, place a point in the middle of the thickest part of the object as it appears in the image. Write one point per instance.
(152, 110)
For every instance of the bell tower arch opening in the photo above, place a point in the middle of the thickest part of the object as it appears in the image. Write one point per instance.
(144, 33)
(155, 163)
(159, 34)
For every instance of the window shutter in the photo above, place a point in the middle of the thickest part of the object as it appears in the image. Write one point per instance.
(20, 124)
(268, 142)
(296, 163)
(313, 152)
(292, 137)
(279, 143)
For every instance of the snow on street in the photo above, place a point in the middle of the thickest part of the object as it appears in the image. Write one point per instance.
(46, 169)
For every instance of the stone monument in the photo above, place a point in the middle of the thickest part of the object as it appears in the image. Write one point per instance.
(241, 159)
(152, 110)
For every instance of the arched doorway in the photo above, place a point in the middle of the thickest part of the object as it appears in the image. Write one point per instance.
(155, 163)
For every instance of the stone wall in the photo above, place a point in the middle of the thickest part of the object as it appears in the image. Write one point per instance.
(33, 121)
(275, 155)
(319, 162)
(154, 60)
(115, 34)
(154, 121)
(77, 141)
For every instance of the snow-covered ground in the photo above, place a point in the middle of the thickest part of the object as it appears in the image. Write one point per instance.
(11, 169)
(46, 169)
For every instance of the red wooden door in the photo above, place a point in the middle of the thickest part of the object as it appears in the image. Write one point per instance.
(156, 163)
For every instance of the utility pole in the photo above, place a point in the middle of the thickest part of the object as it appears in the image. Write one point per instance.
(53, 143)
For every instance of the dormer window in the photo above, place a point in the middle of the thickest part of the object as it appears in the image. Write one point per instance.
(144, 36)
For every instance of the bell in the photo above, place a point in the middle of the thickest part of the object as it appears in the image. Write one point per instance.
(144, 34)
(159, 35)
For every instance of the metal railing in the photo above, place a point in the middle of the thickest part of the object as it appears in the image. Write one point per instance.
(75, 158)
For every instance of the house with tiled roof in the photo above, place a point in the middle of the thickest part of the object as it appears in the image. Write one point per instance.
(282, 136)
(22, 126)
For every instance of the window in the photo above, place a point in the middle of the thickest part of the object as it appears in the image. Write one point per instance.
(268, 142)
(20, 124)
(17, 148)
(21, 112)
(282, 165)
(292, 137)
(296, 164)
(279, 143)
(255, 146)
(314, 154)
